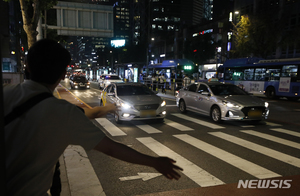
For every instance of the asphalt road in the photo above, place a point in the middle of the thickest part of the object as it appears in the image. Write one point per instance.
(211, 154)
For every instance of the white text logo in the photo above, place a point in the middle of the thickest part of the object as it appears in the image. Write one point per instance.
(264, 184)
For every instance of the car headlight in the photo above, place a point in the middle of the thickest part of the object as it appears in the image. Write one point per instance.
(125, 105)
(163, 103)
(230, 105)
(266, 104)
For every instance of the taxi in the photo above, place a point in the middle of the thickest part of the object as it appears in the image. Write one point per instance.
(221, 101)
(135, 101)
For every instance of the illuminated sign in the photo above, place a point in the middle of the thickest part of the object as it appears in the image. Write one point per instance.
(187, 67)
(117, 43)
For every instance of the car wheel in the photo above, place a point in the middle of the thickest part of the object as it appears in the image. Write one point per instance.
(182, 106)
(216, 114)
(117, 119)
(270, 93)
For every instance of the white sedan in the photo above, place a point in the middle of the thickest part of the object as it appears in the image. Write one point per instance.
(221, 102)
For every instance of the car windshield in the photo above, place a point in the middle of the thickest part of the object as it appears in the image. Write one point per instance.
(80, 79)
(227, 90)
(112, 78)
(130, 90)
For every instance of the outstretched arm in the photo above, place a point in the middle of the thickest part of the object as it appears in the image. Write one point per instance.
(117, 150)
(99, 111)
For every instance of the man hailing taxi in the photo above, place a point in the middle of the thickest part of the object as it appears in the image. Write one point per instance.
(36, 137)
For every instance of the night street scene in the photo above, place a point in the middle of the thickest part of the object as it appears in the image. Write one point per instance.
(150, 97)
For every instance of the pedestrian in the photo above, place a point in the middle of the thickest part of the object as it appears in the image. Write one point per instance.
(35, 140)
(162, 83)
(154, 81)
(186, 80)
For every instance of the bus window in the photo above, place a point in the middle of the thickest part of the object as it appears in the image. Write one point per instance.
(248, 74)
(260, 74)
(272, 74)
(233, 74)
(290, 71)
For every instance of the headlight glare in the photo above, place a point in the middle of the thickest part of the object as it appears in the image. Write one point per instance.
(230, 105)
(163, 103)
(125, 105)
(266, 104)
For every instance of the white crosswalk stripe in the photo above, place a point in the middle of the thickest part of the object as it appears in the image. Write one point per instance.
(273, 138)
(249, 167)
(294, 133)
(148, 129)
(201, 122)
(112, 129)
(195, 173)
(177, 125)
(272, 124)
(258, 148)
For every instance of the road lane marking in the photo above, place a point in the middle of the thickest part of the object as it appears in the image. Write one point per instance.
(273, 138)
(273, 124)
(143, 176)
(247, 126)
(177, 125)
(258, 148)
(79, 167)
(148, 129)
(195, 173)
(112, 129)
(294, 133)
(247, 166)
(201, 122)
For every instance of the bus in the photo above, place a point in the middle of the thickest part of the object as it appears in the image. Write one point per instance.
(273, 78)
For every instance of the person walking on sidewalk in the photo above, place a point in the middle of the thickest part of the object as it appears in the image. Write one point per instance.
(35, 140)
(162, 83)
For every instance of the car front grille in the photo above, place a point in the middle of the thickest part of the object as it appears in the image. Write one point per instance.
(246, 110)
(146, 107)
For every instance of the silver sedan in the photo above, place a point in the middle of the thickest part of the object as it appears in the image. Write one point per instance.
(135, 101)
(221, 102)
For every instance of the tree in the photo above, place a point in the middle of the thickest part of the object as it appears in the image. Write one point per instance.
(255, 36)
(31, 13)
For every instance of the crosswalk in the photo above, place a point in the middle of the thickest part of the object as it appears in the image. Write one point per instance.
(183, 134)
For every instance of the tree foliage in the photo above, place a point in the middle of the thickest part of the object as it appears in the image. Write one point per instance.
(264, 33)
(255, 36)
(31, 13)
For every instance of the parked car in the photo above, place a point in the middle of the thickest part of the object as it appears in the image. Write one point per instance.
(79, 82)
(221, 102)
(135, 101)
(106, 79)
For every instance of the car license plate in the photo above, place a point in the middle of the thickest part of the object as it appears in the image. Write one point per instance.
(148, 113)
(255, 113)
